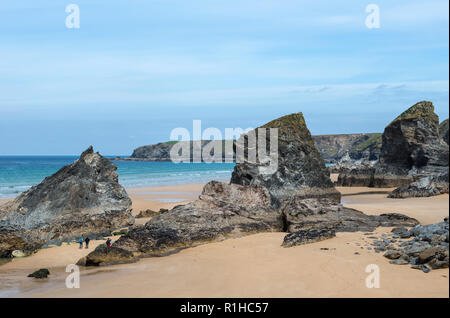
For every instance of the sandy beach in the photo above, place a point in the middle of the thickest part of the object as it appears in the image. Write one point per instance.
(252, 266)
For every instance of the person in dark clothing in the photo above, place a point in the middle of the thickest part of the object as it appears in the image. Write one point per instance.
(87, 240)
(108, 242)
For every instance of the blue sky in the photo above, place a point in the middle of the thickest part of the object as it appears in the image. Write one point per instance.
(135, 70)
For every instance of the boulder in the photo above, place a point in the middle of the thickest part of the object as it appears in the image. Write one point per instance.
(104, 255)
(41, 273)
(427, 250)
(83, 198)
(307, 236)
(300, 170)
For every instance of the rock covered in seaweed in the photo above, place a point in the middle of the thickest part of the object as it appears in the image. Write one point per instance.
(81, 198)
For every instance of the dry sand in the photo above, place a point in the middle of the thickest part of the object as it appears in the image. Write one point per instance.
(252, 266)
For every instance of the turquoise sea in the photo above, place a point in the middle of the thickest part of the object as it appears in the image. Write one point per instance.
(19, 173)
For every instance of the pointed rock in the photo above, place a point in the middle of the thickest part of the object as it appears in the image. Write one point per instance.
(300, 170)
(81, 198)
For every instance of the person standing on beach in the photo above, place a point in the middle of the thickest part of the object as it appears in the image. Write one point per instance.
(80, 240)
(108, 242)
(87, 240)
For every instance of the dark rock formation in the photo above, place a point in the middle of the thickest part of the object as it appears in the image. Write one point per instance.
(427, 250)
(300, 171)
(424, 187)
(229, 210)
(443, 130)
(81, 198)
(41, 273)
(411, 150)
(104, 255)
(324, 213)
(307, 236)
(222, 211)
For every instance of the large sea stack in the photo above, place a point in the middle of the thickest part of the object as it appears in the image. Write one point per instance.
(412, 151)
(300, 171)
(83, 198)
(298, 198)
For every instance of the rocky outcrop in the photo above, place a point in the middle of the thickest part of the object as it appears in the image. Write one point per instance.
(229, 210)
(443, 130)
(411, 150)
(424, 187)
(333, 148)
(296, 197)
(81, 198)
(161, 151)
(222, 211)
(427, 249)
(300, 170)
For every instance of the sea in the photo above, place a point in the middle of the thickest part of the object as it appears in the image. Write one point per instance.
(19, 173)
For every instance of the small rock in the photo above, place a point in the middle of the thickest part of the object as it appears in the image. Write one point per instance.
(41, 273)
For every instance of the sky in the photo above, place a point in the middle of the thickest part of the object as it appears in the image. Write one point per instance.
(134, 70)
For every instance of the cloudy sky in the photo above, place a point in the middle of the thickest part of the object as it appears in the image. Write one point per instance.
(135, 70)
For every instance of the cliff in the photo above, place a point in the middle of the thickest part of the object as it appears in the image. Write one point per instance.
(331, 147)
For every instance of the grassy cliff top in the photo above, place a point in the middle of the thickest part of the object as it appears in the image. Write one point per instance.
(374, 139)
(291, 126)
(423, 110)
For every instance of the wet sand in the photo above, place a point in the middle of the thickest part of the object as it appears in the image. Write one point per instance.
(252, 266)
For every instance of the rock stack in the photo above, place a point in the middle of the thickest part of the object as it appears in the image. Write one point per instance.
(301, 171)
(83, 198)
(413, 157)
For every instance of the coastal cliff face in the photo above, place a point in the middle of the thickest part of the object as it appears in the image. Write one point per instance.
(358, 146)
(411, 151)
(331, 147)
(161, 151)
(287, 200)
(83, 198)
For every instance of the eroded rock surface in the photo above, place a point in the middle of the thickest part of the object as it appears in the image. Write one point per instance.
(411, 150)
(81, 198)
(427, 248)
(229, 210)
(297, 197)
(300, 172)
